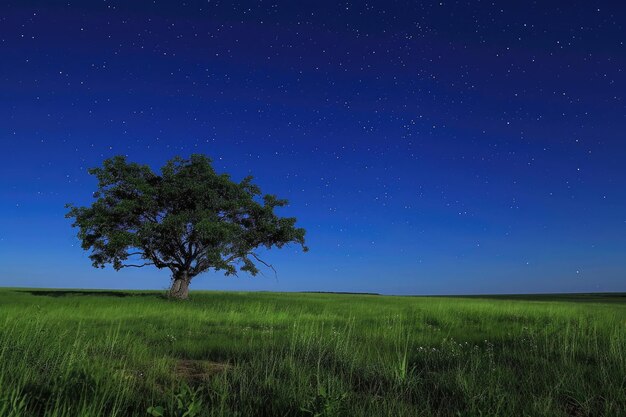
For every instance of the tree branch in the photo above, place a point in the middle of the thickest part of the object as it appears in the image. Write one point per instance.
(136, 266)
(254, 255)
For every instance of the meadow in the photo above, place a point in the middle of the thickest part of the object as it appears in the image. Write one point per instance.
(87, 353)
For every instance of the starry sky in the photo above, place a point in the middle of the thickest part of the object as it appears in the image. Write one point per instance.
(427, 147)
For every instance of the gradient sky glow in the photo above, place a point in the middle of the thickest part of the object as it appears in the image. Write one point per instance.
(427, 148)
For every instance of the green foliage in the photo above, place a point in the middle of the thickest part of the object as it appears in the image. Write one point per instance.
(327, 403)
(79, 354)
(157, 411)
(185, 403)
(188, 219)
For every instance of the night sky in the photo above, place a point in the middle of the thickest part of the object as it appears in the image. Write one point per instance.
(427, 148)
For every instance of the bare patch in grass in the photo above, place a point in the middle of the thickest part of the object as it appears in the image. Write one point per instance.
(195, 371)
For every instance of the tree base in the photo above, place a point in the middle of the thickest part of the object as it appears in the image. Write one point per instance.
(179, 289)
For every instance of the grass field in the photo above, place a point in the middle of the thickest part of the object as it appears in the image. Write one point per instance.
(65, 353)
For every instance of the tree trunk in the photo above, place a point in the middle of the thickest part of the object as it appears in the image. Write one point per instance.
(180, 286)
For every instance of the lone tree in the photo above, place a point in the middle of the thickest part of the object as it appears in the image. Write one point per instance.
(188, 219)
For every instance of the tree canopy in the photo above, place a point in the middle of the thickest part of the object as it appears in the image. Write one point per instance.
(188, 219)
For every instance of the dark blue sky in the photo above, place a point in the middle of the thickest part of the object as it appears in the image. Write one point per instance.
(445, 147)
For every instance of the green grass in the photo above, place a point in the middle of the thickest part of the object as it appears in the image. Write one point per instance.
(70, 354)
